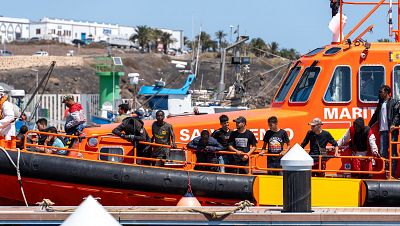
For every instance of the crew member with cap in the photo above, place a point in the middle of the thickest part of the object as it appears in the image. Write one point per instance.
(243, 142)
(318, 139)
(7, 116)
(76, 119)
(362, 142)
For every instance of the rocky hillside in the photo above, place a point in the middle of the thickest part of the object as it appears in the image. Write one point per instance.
(151, 67)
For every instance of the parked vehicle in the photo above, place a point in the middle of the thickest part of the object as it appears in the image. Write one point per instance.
(78, 42)
(41, 53)
(5, 53)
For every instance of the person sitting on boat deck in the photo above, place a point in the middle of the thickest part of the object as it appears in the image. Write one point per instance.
(243, 142)
(222, 136)
(123, 112)
(275, 138)
(318, 139)
(21, 137)
(52, 141)
(132, 130)
(362, 142)
(7, 116)
(335, 5)
(163, 133)
(76, 119)
(41, 125)
(387, 116)
(205, 147)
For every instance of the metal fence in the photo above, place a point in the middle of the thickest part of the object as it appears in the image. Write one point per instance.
(52, 108)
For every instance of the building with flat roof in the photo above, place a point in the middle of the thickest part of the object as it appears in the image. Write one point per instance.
(66, 31)
(13, 28)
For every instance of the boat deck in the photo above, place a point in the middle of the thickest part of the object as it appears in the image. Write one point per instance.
(184, 216)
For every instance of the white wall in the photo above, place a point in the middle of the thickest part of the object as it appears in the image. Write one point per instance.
(67, 30)
(177, 35)
(13, 28)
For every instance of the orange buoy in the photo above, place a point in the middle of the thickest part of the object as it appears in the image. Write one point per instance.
(188, 200)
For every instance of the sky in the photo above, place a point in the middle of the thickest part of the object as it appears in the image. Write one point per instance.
(299, 24)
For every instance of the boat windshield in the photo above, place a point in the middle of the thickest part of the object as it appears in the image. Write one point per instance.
(371, 79)
(287, 84)
(314, 52)
(305, 85)
(396, 82)
(339, 89)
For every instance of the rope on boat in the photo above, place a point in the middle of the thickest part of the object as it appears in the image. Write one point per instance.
(214, 215)
(18, 171)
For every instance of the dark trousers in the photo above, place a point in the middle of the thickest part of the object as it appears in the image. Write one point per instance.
(206, 158)
(316, 166)
(276, 164)
(240, 162)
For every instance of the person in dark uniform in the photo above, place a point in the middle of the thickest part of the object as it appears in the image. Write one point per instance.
(132, 130)
(222, 136)
(205, 147)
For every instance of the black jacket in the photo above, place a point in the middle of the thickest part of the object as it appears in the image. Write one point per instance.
(131, 126)
(393, 116)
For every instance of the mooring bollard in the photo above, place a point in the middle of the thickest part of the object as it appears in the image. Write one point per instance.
(297, 164)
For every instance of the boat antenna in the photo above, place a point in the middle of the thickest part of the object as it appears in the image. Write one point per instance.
(198, 52)
(390, 13)
(44, 81)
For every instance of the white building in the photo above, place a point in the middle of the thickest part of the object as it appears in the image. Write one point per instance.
(68, 30)
(13, 28)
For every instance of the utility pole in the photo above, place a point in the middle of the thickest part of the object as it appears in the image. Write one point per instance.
(221, 86)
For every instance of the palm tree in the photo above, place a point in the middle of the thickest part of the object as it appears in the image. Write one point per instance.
(274, 47)
(257, 44)
(166, 39)
(155, 37)
(142, 36)
(205, 40)
(384, 40)
(220, 36)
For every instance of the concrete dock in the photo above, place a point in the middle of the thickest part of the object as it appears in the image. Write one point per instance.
(212, 216)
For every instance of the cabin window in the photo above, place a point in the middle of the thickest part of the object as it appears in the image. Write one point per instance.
(332, 51)
(370, 80)
(339, 89)
(305, 85)
(112, 150)
(314, 52)
(396, 82)
(287, 84)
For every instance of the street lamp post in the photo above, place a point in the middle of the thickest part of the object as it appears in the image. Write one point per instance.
(230, 37)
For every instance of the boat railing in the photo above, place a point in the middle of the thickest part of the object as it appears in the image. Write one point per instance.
(321, 158)
(393, 155)
(257, 163)
(32, 136)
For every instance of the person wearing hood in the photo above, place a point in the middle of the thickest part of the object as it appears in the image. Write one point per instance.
(133, 130)
(362, 142)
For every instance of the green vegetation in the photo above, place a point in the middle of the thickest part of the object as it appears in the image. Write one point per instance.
(149, 39)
